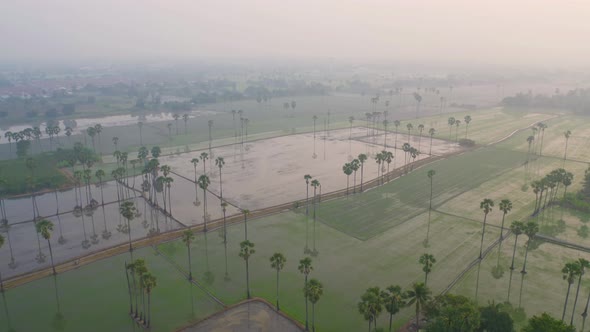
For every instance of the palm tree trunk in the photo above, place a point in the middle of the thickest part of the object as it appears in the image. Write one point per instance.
(567, 295)
(502, 227)
(51, 256)
(149, 321)
(307, 200)
(278, 307)
(526, 253)
(390, 321)
(347, 183)
(190, 270)
(313, 317)
(220, 186)
(129, 233)
(135, 292)
(482, 235)
(513, 252)
(129, 289)
(576, 298)
(306, 312)
(362, 167)
(247, 280)
(430, 152)
(205, 208)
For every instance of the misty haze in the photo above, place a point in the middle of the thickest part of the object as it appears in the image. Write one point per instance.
(294, 165)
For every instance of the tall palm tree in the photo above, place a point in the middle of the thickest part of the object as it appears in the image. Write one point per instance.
(187, 237)
(313, 291)
(307, 177)
(583, 264)
(530, 229)
(385, 124)
(570, 271)
(457, 123)
(219, 162)
(427, 261)
(45, 227)
(203, 184)
(396, 123)
(176, 116)
(418, 99)
(431, 173)
(410, 127)
(419, 295)
(567, 134)
(420, 130)
(541, 126)
(467, 119)
(362, 158)
(378, 159)
(185, 119)
(210, 126)
(347, 169)
(277, 262)
(247, 250)
(305, 268)
(351, 121)
(149, 283)
(393, 300)
(355, 164)
(505, 206)
(486, 205)
(204, 157)
(451, 122)
(169, 126)
(431, 131)
(517, 228)
(128, 210)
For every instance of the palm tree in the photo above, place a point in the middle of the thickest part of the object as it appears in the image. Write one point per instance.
(187, 237)
(351, 121)
(567, 135)
(410, 127)
(362, 158)
(1, 244)
(530, 229)
(467, 119)
(307, 177)
(128, 210)
(219, 162)
(313, 291)
(277, 262)
(149, 283)
(396, 123)
(247, 250)
(204, 157)
(45, 227)
(305, 268)
(583, 264)
(486, 205)
(570, 271)
(195, 161)
(541, 126)
(420, 129)
(427, 261)
(385, 124)
(431, 131)
(176, 116)
(378, 159)
(393, 301)
(451, 122)
(185, 119)
(418, 99)
(347, 169)
(355, 164)
(419, 294)
(371, 305)
(431, 173)
(203, 184)
(517, 228)
(457, 123)
(169, 126)
(505, 206)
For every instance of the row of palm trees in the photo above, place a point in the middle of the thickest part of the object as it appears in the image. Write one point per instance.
(549, 185)
(451, 121)
(140, 274)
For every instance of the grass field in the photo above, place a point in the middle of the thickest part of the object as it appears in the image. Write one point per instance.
(377, 210)
(554, 139)
(543, 288)
(17, 177)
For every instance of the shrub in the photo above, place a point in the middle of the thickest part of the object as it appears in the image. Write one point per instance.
(465, 142)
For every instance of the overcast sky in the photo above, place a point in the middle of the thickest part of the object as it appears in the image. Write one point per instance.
(549, 32)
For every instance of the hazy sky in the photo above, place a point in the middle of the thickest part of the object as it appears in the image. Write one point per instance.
(476, 31)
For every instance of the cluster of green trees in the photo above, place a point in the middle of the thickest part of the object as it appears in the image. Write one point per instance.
(549, 185)
(140, 285)
(451, 121)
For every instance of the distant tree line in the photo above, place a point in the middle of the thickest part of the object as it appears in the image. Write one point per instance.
(577, 100)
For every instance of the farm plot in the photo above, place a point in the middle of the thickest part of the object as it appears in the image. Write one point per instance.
(367, 215)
